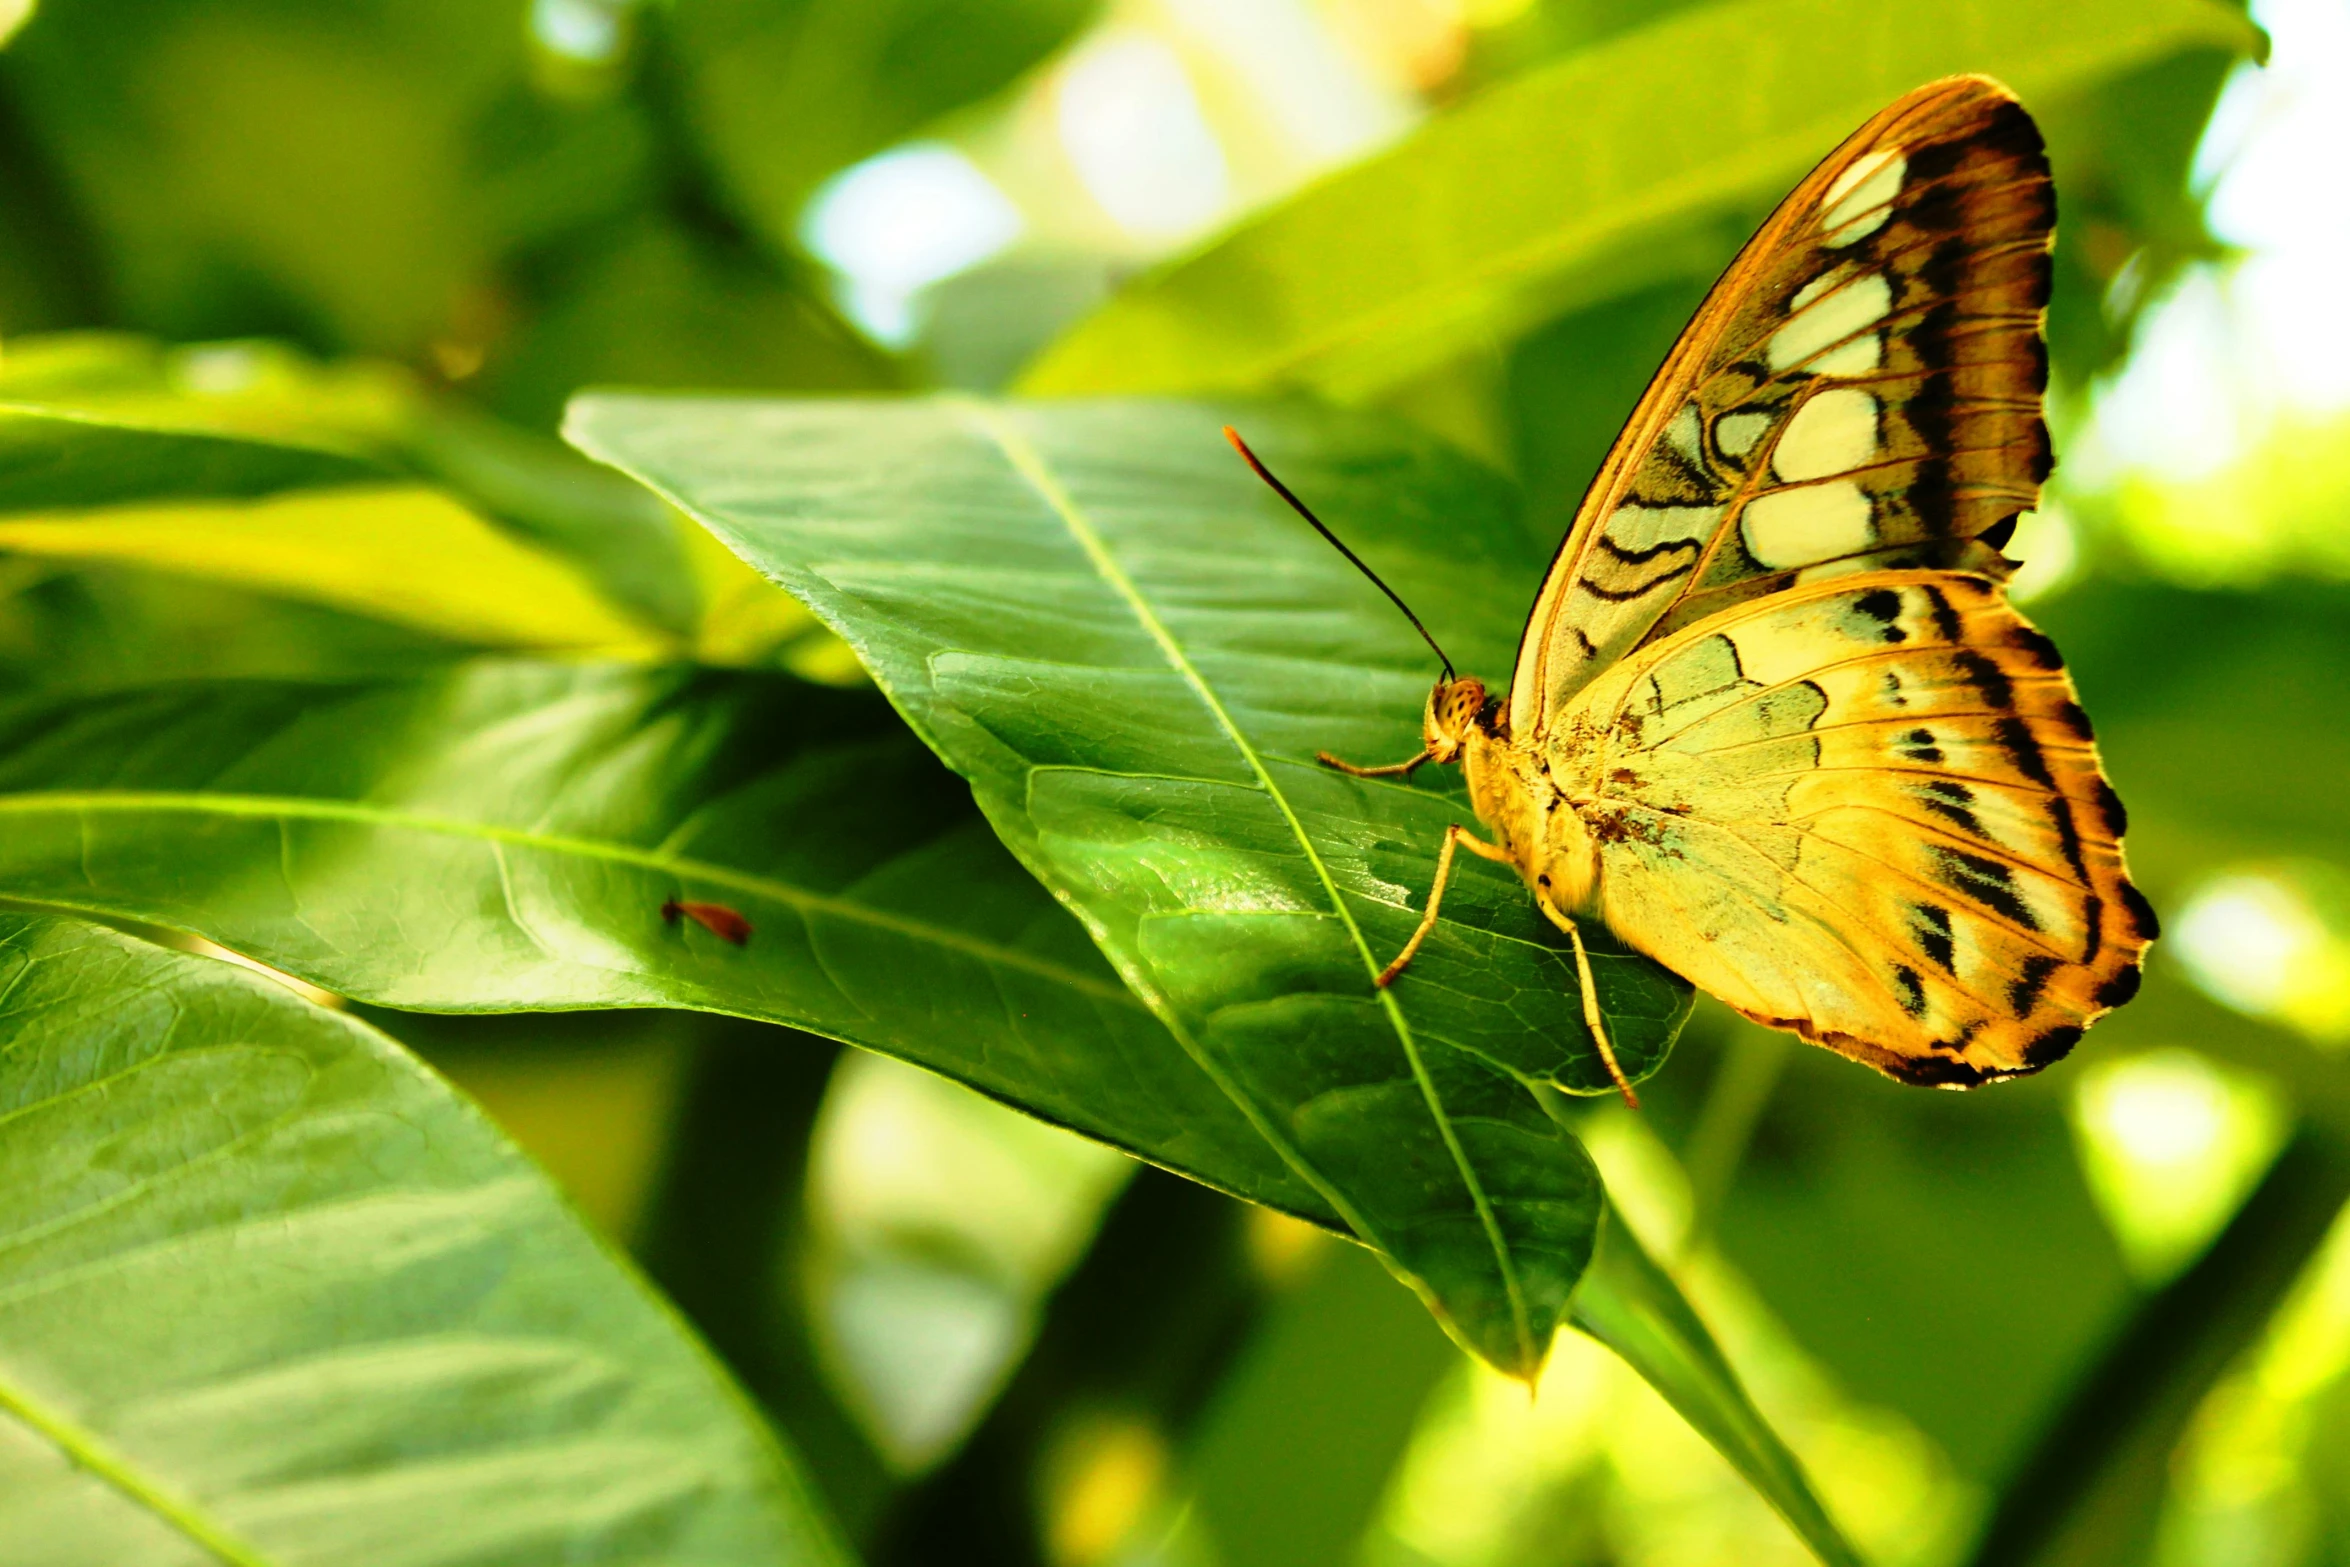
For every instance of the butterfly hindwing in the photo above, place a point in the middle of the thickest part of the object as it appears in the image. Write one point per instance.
(1871, 811)
(1861, 391)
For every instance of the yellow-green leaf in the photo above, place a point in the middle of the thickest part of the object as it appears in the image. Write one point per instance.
(399, 552)
(1640, 158)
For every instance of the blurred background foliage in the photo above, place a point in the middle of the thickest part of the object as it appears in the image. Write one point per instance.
(352, 257)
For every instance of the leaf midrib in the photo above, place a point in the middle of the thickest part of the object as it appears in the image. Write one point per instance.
(1026, 461)
(277, 807)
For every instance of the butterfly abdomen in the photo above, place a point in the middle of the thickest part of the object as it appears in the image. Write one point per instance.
(1529, 803)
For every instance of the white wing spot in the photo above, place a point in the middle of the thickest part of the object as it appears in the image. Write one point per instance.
(1802, 527)
(1831, 318)
(1737, 433)
(1684, 432)
(1858, 357)
(1818, 286)
(1635, 528)
(1835, 431)
(1860, 200)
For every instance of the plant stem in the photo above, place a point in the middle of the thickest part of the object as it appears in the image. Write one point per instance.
(2090, 1491)
(1144, 1328)
(725, 1232)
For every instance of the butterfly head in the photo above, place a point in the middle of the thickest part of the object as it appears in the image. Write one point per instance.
(1455, 707)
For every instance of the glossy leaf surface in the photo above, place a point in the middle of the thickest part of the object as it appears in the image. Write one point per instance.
(1637, 159)
(503, 837)
(1101, 619)
(270, 1292)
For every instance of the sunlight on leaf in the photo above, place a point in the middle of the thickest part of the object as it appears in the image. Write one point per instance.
(2255, 1465)
(2273, 941)
(405, 554)
(1633, 1307)
(2171, 1143)
(1570, 184)
(942, 1221)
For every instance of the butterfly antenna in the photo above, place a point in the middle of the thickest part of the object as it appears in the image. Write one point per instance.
(1298, 506)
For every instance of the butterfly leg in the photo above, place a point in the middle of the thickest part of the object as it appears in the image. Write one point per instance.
(1355, 770)
(1454, 836)
(1591, 1017)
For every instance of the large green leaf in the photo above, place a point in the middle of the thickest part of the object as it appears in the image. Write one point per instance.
(1098, 616)
(271, 1293)
(1639, 158)
(502, 838)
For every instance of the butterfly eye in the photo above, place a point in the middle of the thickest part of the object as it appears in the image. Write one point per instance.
(1459, 706)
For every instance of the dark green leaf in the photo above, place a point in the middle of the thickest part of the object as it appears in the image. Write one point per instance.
(654, 304)
(782, 92)
(270, 1292)
(347, 175)
(503, 837)
(1097, 615)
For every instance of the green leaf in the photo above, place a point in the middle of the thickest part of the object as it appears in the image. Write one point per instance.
(1640, 158)
(53, 459)
(1633, 1307)
(271, 1292)
(1100, 618)
(502, 837)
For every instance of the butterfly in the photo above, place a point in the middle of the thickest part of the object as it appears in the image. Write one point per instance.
(1774, 721)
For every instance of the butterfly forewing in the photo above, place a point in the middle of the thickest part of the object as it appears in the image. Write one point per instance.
(1861, 391)
(1870, 811)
